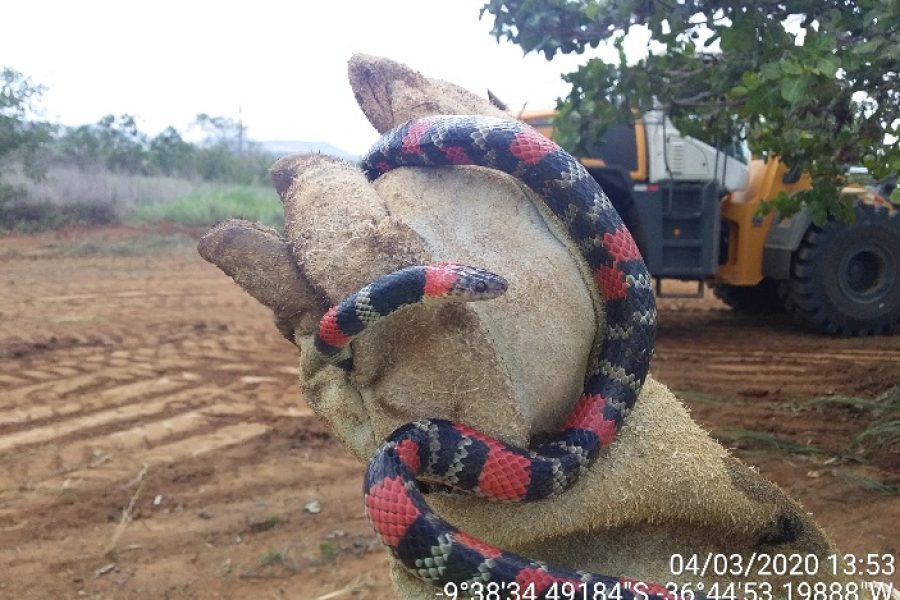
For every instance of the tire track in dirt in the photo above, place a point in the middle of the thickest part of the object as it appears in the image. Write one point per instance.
(66, 399)
(793, 367)
(38, 465)
(119, 394)
(705, 347)
(44, 402)
(747, 385)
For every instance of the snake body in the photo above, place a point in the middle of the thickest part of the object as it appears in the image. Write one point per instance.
(456, 456)
(388, 294)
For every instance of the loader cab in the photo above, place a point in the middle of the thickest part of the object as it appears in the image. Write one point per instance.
(667, 187)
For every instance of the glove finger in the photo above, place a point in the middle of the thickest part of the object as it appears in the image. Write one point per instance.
(390, 93)
(338, 227)
(262, 263)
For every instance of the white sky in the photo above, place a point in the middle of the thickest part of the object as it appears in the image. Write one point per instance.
(283, 63)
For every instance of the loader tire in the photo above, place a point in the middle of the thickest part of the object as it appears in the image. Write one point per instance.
(845, 278)
(759, 299)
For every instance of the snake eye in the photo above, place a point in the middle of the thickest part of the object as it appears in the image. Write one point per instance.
(480, 287)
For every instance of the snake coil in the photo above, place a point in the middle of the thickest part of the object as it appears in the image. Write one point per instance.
(456, 456)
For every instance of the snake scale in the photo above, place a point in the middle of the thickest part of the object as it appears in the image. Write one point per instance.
(454, 455)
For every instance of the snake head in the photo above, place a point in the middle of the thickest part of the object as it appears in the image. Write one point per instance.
(462, 283)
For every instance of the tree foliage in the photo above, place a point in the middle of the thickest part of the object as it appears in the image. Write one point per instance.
(116, 143)
(222, 131)
(812, 81)
(226, 152)
(171, 154)
(20, 137)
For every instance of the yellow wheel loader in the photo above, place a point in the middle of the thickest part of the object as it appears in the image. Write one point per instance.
(694, 212)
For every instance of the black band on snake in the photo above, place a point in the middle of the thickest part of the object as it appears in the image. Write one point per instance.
(455, 455)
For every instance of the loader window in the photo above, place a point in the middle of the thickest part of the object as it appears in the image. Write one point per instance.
(738, 150)
(617, 147)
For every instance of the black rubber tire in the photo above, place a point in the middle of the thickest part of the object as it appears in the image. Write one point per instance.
(759, 299)
(845, 278)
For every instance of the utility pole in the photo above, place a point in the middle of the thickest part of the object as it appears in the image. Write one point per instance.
(240, 129)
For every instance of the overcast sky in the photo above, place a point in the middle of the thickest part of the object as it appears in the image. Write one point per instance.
(283, 63)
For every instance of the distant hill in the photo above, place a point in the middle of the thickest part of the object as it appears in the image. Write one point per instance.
(286, 147)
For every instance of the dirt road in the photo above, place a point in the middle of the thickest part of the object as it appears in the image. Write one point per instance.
(151, 385)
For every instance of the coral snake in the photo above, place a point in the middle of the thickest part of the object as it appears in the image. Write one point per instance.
(456, 456)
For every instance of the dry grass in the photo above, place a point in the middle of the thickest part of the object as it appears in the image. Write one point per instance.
(109, 551)
(883, 430)
(879, 487)
(66, 185)
(69, 196)
(759, 439)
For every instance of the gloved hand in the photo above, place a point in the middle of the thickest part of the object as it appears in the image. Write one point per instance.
(512, 367)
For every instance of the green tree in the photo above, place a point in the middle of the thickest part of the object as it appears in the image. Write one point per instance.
(171, 155)
(20, 138)
(114, 142)
(219, 163)
(80, 146)
(812, 81)
(226, 155)
(122, 145)
(222, 132)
